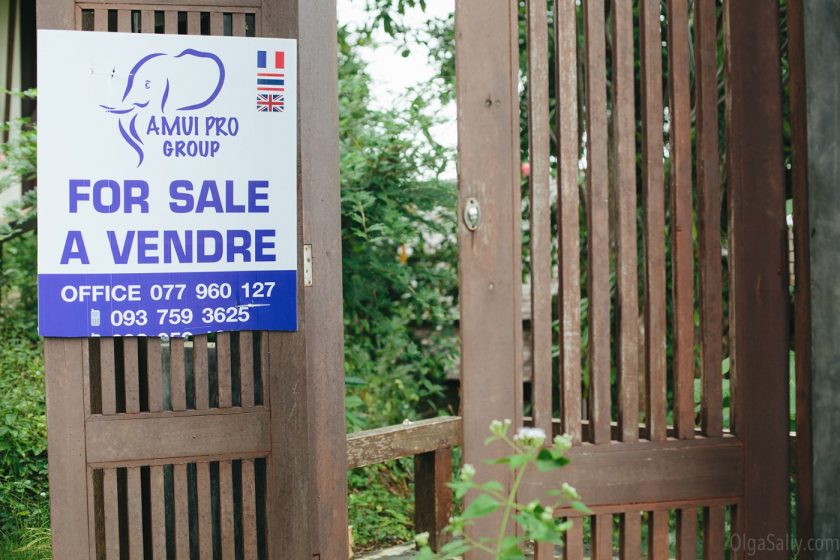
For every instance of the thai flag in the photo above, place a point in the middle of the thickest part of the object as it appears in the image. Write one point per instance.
(270, 71)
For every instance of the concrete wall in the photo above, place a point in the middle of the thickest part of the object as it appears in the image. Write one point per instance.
(822, 66)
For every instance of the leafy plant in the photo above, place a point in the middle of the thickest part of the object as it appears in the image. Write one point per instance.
(535, 521)
(398, 253)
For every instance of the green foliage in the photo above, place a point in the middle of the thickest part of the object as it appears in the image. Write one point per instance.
(398, 254)
(381, 504)
(23, 438)
(27, 543)
(535, 522)
(18, 164)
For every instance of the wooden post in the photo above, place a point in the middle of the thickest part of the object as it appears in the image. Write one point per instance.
(432, 496)
(823, 175)
(490, 257)
(758, 252)
(307, 367)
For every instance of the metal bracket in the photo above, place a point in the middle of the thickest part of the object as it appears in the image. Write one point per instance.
(472, 214)
(307, 266)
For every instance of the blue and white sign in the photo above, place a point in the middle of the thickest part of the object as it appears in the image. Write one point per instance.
(167, 173)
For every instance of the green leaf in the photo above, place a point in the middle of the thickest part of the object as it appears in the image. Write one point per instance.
(580, 506)
(481, 506)
(549, 459)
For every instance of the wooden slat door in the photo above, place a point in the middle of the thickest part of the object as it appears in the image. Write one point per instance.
(616, 232)
(222, 445)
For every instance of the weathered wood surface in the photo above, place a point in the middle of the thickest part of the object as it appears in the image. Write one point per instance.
(597, 222)
(674, 471)
(403, 440)
(432, 496)
(489, 258)
(653, 192)
(758, 254)
(170, 435)
(568, 218)
(66, 442)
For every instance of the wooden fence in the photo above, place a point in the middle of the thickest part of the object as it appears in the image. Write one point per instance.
(629, 198)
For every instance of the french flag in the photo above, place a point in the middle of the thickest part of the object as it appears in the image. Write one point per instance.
(270, 73)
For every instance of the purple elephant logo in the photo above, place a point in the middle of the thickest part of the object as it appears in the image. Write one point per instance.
(172, 84)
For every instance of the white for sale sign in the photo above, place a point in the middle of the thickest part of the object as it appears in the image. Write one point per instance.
(167, 173)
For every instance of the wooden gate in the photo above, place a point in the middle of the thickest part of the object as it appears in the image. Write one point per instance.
(227, 445)
(693, 440)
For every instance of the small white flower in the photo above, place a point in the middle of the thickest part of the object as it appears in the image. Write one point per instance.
(562, 443)
(570, 492)
(533, 437)
(467, 472)
(499, 428)
(422, 539)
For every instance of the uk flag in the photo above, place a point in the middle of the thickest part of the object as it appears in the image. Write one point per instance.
(270, 102)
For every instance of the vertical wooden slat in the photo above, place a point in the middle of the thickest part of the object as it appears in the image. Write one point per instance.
(682, 242)
(158, 513)
(182, 520)
(217, 23)
(223, 367)
(108, 375)
(573, 547)
(540, 209)
(154, 369)
(132, 375)
(135, 514)
(124, 21)
(602, 537)
(249, 510)
(201, 369)
(265, 377)
(708, 216)
(177, 377)
(758, 257)
(226, 509)
(147, 21)
(238, 24)
(714, 520)
(624, 153)
(709, 248)
(650, 37)
(246, 368)
(568, 216)
(205, 513)
(432, 496)
(112, 514)
(193, 22)
(170, 22)
(66, 443)
(597, 219)
(658, 535)
(489, 258)
(802, 273)
(630, 536)
(100, 20)
(687, 534)
(95, 514)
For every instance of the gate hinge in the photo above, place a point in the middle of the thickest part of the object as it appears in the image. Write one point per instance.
(307, 266)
